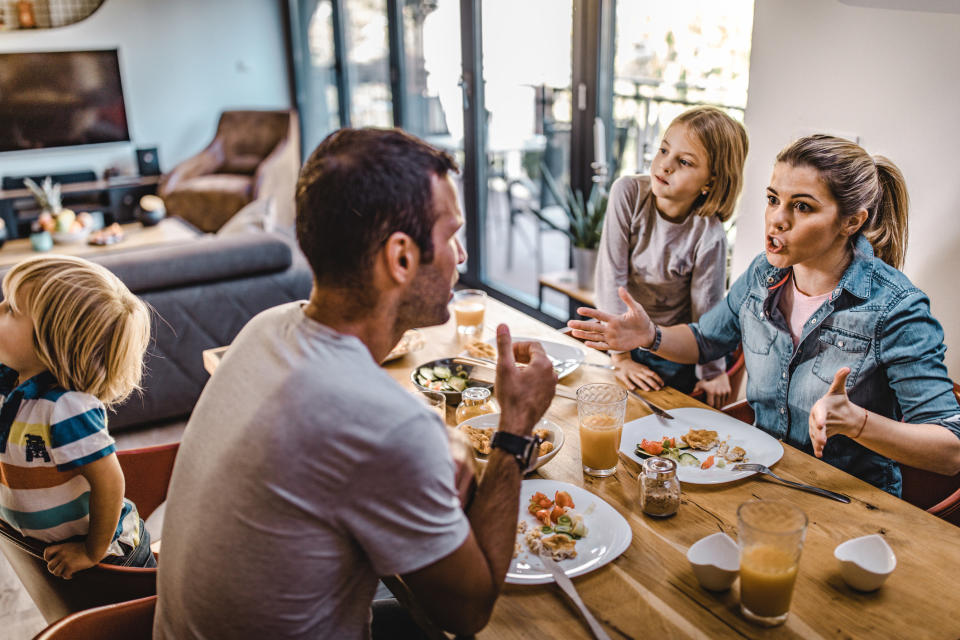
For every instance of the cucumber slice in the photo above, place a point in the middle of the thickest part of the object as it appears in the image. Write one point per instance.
(688, 460)
(441, 372)
(425, 372)
(643, 454)
(680, 443)
(456, 383)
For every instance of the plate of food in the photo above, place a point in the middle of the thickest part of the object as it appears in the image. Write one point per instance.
(410, 341)
(566, 358)
(448, 377)
(479, 431)
(705, 444)
(583, 534)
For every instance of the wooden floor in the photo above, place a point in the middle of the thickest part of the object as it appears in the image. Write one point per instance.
(19, 618)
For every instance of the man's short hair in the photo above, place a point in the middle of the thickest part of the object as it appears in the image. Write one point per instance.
(358, 187)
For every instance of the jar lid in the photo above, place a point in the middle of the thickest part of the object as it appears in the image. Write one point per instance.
(476, 393)
(660, 467)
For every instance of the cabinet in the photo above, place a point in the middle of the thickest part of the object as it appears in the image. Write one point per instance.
(118, 197)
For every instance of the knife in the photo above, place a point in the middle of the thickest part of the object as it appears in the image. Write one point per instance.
(656, 410)
(567, 586)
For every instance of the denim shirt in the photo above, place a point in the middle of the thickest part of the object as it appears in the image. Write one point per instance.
(875, 321)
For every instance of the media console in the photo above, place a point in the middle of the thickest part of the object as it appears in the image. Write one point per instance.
(116, 197)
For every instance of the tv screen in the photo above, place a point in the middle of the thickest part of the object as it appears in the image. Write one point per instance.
(60, 99)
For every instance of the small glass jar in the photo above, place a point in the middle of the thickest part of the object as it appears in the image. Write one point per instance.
(475, 401)
(659, 487)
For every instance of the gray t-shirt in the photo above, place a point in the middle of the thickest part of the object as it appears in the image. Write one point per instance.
(305, 473)
(676, 270)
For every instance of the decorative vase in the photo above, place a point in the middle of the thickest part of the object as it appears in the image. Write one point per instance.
(585, 264)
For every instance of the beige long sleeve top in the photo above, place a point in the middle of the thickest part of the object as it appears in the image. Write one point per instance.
(676, 270)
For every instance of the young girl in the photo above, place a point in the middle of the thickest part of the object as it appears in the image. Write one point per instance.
(663, 240)
(72, 341)
(843, 357)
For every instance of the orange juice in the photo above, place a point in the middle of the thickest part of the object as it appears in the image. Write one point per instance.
(469, 316)
(600, 440)
(767, 574)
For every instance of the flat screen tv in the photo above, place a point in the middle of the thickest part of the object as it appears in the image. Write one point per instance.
(60, 99)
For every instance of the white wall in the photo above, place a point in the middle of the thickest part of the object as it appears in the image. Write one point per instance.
(182, 62)
(888, 76)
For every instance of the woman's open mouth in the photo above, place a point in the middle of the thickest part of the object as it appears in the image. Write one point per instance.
(774, 244)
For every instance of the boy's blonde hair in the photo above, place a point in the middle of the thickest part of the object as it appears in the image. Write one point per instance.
(89, 331)
(726, 144)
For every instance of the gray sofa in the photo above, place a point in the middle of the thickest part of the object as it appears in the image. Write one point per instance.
(203, 292)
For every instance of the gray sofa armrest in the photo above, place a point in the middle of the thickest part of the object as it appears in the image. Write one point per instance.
(208, 259)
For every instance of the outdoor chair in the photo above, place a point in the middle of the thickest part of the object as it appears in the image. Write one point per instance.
(147, 475)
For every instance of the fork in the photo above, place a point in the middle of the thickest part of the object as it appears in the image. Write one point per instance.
(759, 468)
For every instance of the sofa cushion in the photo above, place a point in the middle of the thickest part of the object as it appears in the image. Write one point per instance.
(259, 215)
(206, 259)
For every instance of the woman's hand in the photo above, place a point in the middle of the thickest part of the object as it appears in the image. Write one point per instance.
(633, 374)
(717, 390)
(620, 332)
(834, 414)
(66, 559)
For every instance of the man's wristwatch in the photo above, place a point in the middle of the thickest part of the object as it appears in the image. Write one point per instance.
(522, 448)
(657, 337)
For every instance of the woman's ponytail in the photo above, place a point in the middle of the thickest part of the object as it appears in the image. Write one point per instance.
(886, 229)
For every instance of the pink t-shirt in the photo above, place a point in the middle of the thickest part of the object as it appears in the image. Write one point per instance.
(797, 308)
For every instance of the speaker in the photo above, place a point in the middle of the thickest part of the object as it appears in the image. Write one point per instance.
(147, 161)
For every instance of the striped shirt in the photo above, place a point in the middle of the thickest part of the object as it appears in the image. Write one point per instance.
(47, 434)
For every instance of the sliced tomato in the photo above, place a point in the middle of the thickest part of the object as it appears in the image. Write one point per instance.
(537, 497)
(669, 442)
(651, 446)
(556, 513)
(544, 516)
(563, 499)
(707, 463)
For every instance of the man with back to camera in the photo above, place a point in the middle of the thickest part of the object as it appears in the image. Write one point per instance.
(305, 471)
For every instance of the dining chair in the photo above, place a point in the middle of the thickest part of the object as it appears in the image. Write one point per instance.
(147, 475)
(735, 372)
(936, 493)
(131, 620)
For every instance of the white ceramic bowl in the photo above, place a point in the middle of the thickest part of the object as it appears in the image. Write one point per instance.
(715, 561)
(492, 421)
(865, 562)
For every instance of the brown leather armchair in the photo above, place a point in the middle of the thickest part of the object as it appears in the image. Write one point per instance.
(255, 154)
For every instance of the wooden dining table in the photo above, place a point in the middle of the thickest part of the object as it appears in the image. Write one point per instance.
(650, 590)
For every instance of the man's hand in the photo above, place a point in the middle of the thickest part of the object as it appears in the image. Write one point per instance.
(524, 393)
(66, 559)
(623, 332)
(834, 414)
(717, 390)
(633, 374)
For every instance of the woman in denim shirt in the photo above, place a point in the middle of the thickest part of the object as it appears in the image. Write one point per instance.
(843, 357)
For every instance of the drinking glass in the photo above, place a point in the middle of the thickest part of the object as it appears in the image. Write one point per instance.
(468, 308)
(436, 402)
(600, 409)
(770, 536)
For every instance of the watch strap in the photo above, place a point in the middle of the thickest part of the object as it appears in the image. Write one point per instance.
(522, 448)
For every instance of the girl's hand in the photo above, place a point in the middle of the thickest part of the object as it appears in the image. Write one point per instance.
(633, 374)
(834, 414)
(623, 332)
(66, 559)
(717, 390)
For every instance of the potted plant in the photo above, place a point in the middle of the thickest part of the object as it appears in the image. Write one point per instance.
(586, 223)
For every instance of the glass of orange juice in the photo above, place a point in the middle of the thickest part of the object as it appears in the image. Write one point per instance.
(771, 538)
(600, 408)
(468, 308)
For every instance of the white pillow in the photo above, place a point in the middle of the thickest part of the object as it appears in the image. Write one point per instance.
(259, 215)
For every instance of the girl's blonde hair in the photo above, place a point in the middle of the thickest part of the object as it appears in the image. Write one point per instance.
(858, 181)
(725, 141)
(89, 331)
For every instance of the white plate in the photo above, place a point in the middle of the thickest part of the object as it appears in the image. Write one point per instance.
(608, 534)
(557, 351)
(492, 421)
(760, 446)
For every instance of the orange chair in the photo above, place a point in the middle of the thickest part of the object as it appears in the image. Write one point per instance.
(147, 475)
(132, 620)
(936, 493)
